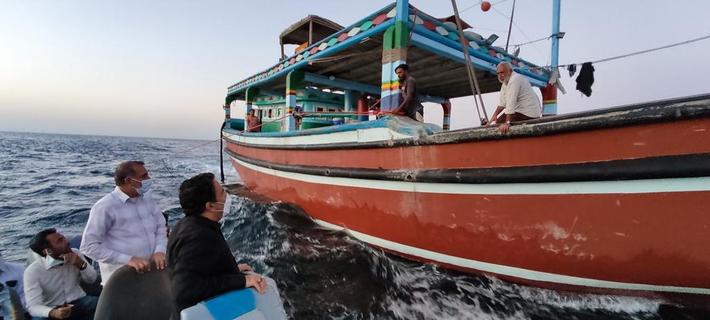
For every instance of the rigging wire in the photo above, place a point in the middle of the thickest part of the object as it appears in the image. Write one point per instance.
(533, 41)
(507, 18)
(517, 27)
(650, 50)
(630, 54)
(470, 69)
(479, 3)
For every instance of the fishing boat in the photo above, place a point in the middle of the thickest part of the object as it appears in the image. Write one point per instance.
(612, 200)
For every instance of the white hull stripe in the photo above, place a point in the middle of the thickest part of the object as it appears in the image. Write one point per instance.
(354, 136)
(584, 187)
(507, 270)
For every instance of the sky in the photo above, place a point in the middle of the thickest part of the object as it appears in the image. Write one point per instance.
(161, 68)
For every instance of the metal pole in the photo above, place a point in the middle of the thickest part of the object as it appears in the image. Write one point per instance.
(473, 81)
(510, 26)
(555, 47)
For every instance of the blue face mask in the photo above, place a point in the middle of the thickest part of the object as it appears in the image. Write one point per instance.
(50, 262)
(145, 185)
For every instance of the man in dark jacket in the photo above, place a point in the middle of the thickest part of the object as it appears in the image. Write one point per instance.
(200, 262)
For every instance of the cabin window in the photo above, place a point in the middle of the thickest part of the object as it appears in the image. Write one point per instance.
(319, 109)
(271, 113)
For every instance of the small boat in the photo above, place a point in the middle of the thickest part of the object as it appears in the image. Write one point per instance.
(244, 304)
(10, 303)
(129, 295)
(611, 201)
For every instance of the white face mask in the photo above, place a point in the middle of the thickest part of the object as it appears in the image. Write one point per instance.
(226, 205)
(50, 262)
(145, 185)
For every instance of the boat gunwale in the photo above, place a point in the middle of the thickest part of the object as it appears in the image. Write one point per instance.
(659, 167)
(685, 108)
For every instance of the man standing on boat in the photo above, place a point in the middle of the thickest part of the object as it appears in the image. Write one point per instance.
(126, 227)
(517, 99)
(200, 261)
(410, 106)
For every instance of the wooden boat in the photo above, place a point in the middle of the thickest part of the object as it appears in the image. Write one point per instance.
(613, 200)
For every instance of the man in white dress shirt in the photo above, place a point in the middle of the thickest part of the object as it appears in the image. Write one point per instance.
(52, 283)
(517, 99)
(126, 227)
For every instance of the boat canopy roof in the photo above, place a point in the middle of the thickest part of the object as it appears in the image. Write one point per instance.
(351, 58)
(298, 32)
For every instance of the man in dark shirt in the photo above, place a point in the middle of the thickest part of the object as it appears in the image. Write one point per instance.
(200, 262)
(410, 105)
(253, 122)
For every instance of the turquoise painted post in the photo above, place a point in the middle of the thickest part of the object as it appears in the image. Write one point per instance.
(294, 83)
(394, 53)
(402, 10)
(349, 101)
(227, 110)
(227, 118)
(555, 31)
(549, 93)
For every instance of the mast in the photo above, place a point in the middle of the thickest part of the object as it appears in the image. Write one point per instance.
(555, 47)
(549, 93)
(510, 26)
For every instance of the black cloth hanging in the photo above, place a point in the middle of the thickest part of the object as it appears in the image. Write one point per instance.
(572, 68)
(586, 79)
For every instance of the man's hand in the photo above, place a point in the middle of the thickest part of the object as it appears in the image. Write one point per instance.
(139, 264)
(243, 267)
(504, 128)
(73, 259)
(257, 282)
(61, 312)
(159, 259)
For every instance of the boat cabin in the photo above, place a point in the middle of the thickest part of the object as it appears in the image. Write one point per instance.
(335, 74)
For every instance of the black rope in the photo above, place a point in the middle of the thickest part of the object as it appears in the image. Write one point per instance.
(221, 160)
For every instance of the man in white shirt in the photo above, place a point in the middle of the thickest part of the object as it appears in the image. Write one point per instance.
(52, 283)
(126, 227)
(517, 99)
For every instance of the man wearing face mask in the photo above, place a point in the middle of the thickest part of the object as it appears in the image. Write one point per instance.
(126, 227)
(52, 287)
(200, 262)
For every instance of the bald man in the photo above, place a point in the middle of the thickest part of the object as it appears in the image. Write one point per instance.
(517, 99)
